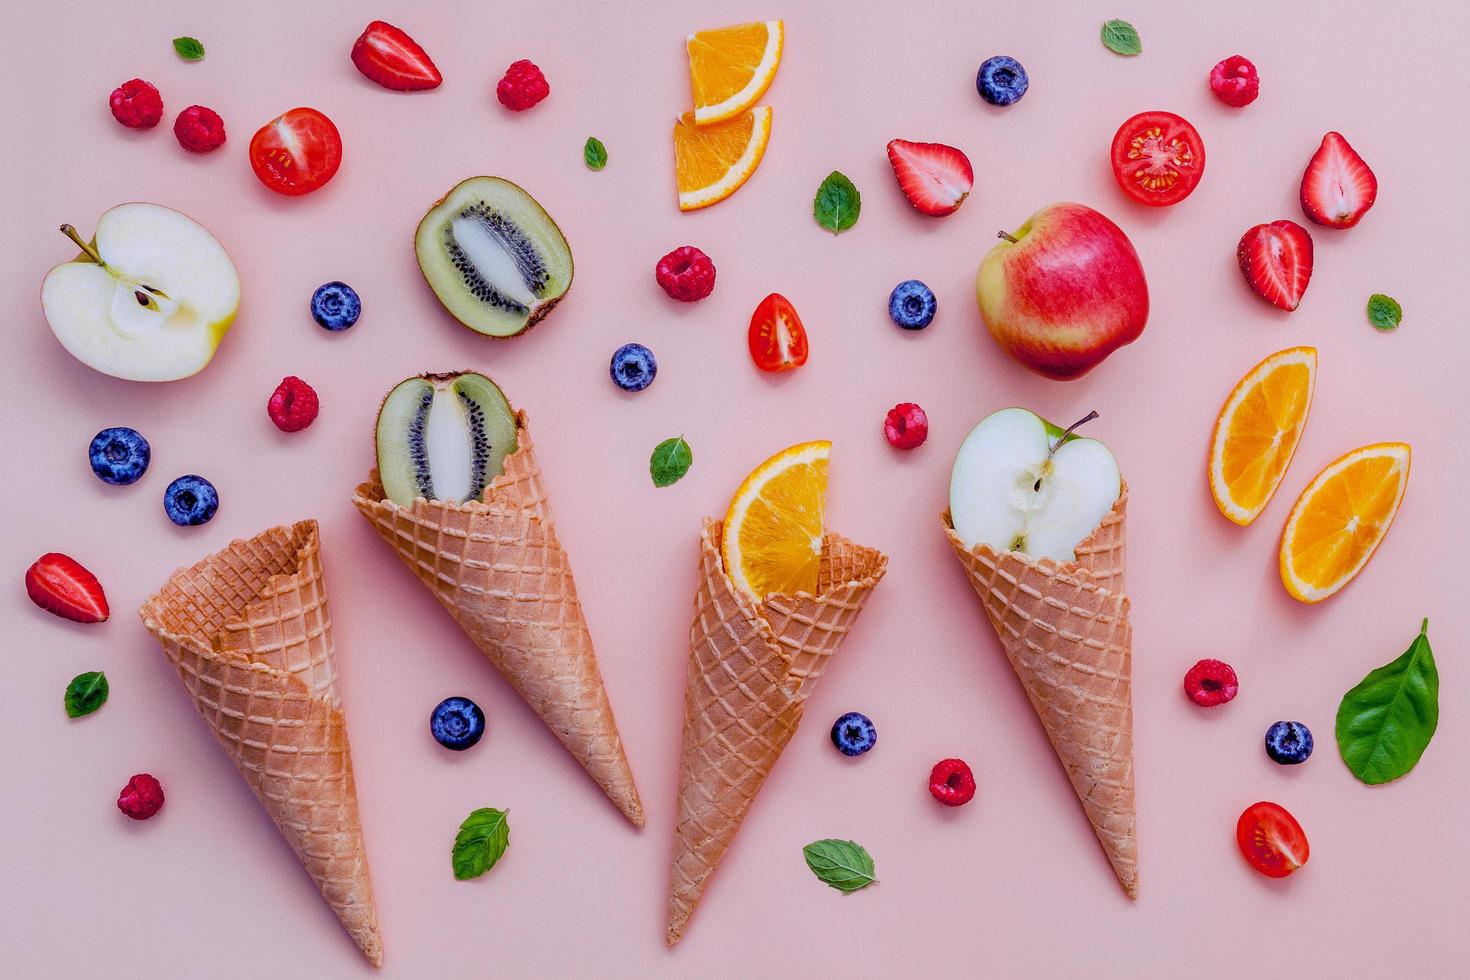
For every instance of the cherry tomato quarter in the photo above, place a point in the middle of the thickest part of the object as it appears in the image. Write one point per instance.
(777, 338)
(1271, 840)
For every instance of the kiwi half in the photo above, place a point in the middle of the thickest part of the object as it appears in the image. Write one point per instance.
(493, 256)
(443, 437)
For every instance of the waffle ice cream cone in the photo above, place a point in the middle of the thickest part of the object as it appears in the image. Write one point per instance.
(1065, 629)
(249, 631)
(752, 665)
(497, 567)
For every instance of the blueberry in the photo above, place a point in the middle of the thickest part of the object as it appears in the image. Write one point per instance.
(457, 723)
(1001, 80)
(119, 456)
(912, 305)
(1288, 743)
(335, 306)
(633, 367)
(190, 500)
(853, 733)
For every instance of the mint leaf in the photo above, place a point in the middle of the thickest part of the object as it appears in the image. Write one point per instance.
(670, 461)
(1385, 723)
(86, 693)
(1384, 312)
(482, 839)
(594, 153)
(842, 864)
(837, 203)
(1121, 37)
(189, 48)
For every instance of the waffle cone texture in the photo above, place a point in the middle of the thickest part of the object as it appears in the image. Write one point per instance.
(250, 634)
(496, 566)
(1065, 629)
(752, 666)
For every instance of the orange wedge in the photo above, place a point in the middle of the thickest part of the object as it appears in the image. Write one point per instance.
(711, 162)
(1341, 519)
(731, 68)
(772, 539)
(1257, 432)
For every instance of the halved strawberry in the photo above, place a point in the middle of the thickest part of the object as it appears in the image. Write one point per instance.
(1276, 260)
(60, 585)
(934, 177)
(394, 60)
(1338, 188)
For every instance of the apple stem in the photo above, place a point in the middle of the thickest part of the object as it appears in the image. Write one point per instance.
(1008, 237)
(86, 247)
(1063, 438)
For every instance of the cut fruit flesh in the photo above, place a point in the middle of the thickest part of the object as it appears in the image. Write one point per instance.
(730, 68)
(1258, 430)
(772, 538)
(711, 162)
(443, 437)
(493, 256)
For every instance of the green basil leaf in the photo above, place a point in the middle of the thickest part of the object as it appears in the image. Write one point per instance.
(86, 693)
(837, 203)
(189, 48)
(1121, 37)
(1385, 723)
(670, 461)
(482, 839)
(594, 153)
(1384, 312)
(843, 864)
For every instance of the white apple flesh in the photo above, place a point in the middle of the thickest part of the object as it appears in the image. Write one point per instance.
(1015, 489)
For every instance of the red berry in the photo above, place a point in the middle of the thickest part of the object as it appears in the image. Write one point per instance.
(1211, 682)
(1276, 259)
(936, 178)
(952, 782)
(386, 55)
(136, 104)
(686, 274)
(1338, 187)
(906, 426)
(60, 585)
(141, 798)
(199, 129)
(522, 87)
(293, 405)
(1235, 82)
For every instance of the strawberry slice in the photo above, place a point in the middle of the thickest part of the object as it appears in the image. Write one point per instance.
(1276, 259)
(1338, 188)
(60, 585)
(394, 60)
(934, 177)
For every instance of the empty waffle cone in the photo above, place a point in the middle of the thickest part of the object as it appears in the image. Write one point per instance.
(1065, 629)
(752, 665)
(250, 634)
(496, 565)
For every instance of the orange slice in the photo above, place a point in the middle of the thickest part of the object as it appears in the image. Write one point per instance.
(731, 68)
(772, 540)
(711, 162)
(1257, 432)
(1341, 519)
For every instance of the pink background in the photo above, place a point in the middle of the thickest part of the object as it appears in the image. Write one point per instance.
(1012, 884)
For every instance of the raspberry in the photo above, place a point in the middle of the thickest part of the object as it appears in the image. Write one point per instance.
(951, 782)
(1210, 682)
(906, 426)
(136, 104)
(141, 798)
(522, 87)
(686, 274)
(199, 129)
(293, 405)
(1235, 82)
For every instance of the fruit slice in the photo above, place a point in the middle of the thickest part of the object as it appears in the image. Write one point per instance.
(1257, 432)
(934, 177)
(296, 152)
(711, 162)
(1271, 840)
(1341, 518)
(493, 256)
(386, 55)
(1276, 259)
(772, 539)
(1158, 158)
(731, 68)
(443, 437)
(1337, 188)
(61, 586)
(776, 337)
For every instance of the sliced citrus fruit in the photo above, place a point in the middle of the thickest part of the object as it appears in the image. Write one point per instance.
(772, 540)
(711, 162)
(731, 68)
(1258, 430)
(1341, 519)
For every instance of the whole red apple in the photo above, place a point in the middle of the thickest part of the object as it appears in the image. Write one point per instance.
(1063, 291)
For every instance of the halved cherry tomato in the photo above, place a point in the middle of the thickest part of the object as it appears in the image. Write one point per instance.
(1158, 158)
(777, 338)
(296, 152)
(1271, 840)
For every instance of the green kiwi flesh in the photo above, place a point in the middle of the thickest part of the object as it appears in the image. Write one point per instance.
(443, 437)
